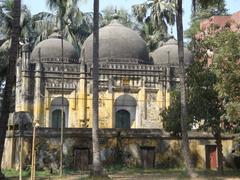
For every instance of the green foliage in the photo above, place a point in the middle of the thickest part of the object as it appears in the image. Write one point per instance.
(207, 8)
(204, 10)
(213, 92)
(75, 27)
(151, 35)
(155, 17)
(204, 105)
(226, 67)
(161, 12)
(171, 117)
(123, 16)
(28, 31)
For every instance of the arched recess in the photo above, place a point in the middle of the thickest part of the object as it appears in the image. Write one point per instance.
(125, 111)
(56, 112)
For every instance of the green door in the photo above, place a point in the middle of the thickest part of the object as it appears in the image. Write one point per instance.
(123, 119)
(56, 118)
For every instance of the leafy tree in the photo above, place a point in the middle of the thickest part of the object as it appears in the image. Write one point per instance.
(10, 79)
(204, 104)
(171, 116)
(226, 56)
(204, 9)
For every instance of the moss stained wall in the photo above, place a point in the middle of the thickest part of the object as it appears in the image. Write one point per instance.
(117, 146)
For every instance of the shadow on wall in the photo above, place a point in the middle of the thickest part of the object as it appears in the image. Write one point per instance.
(233, 159)
(170, 155)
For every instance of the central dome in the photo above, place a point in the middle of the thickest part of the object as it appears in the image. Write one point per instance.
(118, 44)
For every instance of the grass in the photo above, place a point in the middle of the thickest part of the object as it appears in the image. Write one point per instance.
(26, 173)
(121, 171)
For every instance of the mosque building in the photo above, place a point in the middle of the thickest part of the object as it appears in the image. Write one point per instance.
(134, 87)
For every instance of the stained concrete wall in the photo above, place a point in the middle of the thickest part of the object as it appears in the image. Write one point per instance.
(115, 145)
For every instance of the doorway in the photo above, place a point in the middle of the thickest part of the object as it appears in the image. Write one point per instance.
(148, 157)
(81, 159)
(211, 157)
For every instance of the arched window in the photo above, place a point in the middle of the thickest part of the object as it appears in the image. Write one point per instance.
(56, 112)
(125, 111)
(123, 119)
(57, 117)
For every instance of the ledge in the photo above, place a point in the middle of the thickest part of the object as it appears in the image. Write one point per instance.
(111, 133)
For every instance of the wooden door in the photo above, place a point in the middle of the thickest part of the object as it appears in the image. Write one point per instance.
(148, 157)
(211, 157)
(81, 159)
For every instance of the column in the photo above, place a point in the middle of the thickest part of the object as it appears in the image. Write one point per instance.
(37, 94)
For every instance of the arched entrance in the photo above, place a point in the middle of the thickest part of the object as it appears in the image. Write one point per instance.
(123, 119)
(56, 112)
(125, 111)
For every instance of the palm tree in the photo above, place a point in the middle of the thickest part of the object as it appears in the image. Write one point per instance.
(33, 28)
(155, 22)
(97, 167)
(41, 26)
(10, 78)
(162, 12)
(184, 113)
(75, 25)
(151, 35)
(123, 16)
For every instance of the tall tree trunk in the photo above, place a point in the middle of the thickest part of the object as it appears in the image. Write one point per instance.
(194, 7)
(185, 142)
(10, 79)
(97, 167)
(218, 138)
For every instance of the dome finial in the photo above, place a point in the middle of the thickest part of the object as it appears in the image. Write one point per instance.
(55, 33)
(115, 15)
(55, 29)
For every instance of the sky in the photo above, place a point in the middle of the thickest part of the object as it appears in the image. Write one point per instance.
(87, 6)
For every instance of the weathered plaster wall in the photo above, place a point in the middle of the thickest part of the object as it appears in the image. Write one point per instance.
(115, 145)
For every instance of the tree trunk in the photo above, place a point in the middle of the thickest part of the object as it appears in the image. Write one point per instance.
(193, 8)
(218, 138)
(10, 78)
(97, 168)
(185, 142)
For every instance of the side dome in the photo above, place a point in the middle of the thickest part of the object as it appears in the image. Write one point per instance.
(50, 50)
(168, 54)
(117, 44)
